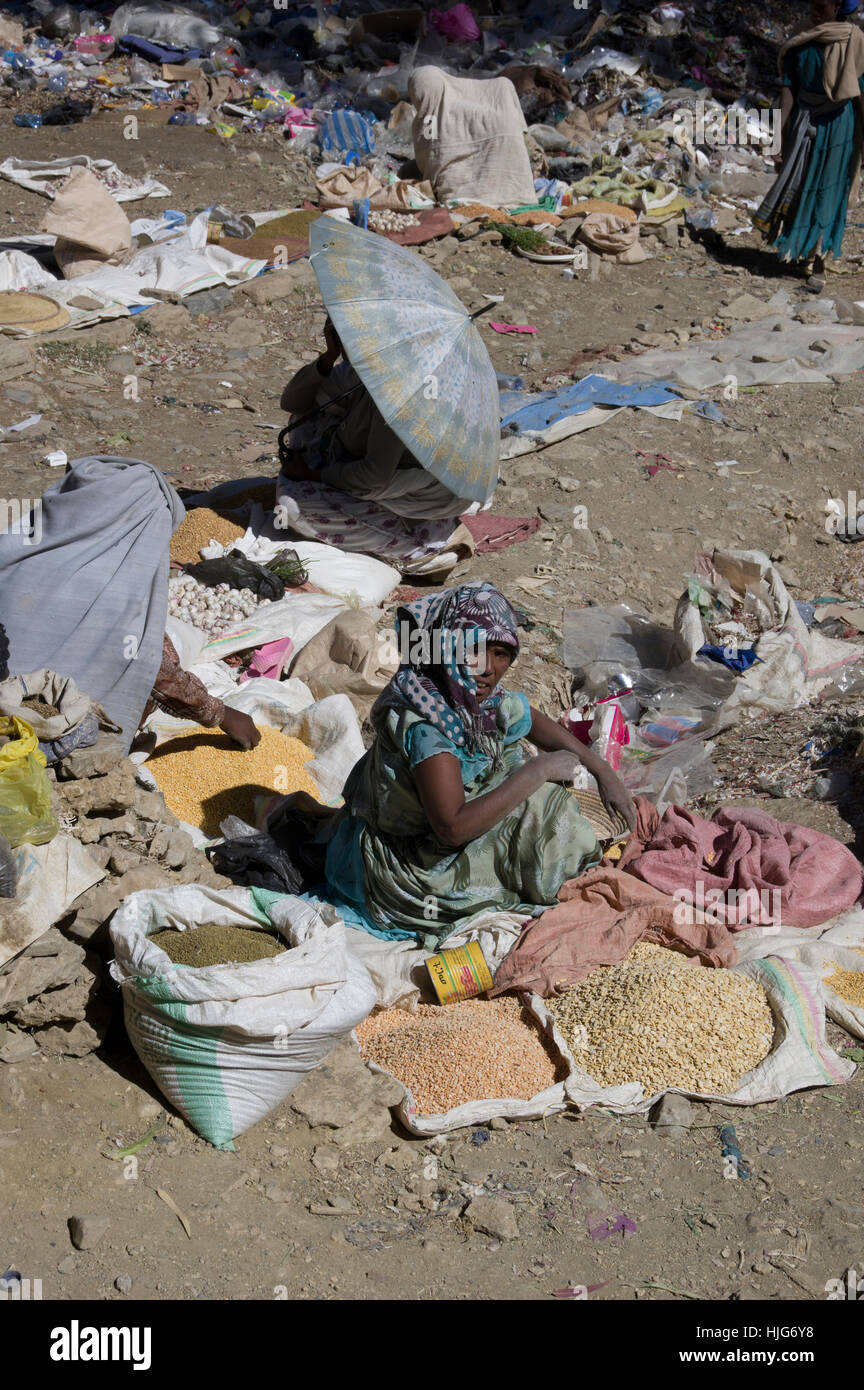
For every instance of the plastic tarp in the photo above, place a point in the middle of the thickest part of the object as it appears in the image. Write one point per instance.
(530, 419)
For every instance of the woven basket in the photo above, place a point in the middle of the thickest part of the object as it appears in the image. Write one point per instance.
(607, 825)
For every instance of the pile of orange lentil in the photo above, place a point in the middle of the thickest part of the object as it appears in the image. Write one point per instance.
(476, 1050)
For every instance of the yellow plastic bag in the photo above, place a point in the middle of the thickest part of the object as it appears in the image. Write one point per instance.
(25, 790)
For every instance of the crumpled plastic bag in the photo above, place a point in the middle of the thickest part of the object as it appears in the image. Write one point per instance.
(240, 573)
(25, 791)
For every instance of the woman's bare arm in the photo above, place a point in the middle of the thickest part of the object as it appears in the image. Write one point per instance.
(453, 820)
(550, 737)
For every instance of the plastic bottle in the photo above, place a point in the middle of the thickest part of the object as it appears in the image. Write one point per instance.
(510, 383)
(33, 121)
(57, 83)
(183, 118)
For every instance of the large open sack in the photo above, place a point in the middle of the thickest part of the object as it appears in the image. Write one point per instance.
(227, 1043)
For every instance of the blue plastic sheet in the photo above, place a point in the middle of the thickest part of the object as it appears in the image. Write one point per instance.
(743, 658)
(157, 52)
(525, 412)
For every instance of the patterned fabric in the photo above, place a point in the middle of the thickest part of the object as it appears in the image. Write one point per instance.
(444, 693)
(181, 693)
(384, 862)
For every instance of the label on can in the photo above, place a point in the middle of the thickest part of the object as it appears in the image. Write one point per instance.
(459, 973)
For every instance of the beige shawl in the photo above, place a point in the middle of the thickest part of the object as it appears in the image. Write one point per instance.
(842, 61)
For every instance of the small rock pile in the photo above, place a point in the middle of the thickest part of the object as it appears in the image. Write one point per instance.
(57, 994)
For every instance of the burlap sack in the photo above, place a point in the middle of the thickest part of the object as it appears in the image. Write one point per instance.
(91, 228)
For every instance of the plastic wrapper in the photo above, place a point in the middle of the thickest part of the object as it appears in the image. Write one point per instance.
(25, 791)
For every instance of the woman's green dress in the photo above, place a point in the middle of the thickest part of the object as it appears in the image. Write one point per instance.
(385, 863)
(807, 216)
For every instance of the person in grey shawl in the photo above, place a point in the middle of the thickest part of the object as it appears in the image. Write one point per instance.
(84, 588)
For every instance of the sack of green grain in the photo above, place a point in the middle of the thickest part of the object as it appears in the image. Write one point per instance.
(227, 1043)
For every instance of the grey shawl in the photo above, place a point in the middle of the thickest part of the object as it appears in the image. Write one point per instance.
(86, 591)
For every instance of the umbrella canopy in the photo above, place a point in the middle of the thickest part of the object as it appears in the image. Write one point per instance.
(416, 350)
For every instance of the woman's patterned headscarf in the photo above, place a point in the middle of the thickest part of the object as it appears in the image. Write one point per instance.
(444, 693)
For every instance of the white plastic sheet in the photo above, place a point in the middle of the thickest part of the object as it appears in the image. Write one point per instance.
(41, 176)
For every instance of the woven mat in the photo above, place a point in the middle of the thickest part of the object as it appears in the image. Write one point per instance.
(607, 825)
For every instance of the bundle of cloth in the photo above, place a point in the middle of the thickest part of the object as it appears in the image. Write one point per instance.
(87, 593)
(469, 138)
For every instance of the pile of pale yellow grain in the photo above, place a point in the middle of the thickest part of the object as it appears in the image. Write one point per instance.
(199, 527)
(477, 1050)
(849, 984)
(205, 777)
(656, 1020)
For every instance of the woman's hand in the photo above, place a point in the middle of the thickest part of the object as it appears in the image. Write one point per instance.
(295, 468)
(617, 797)
(328, 359)
(559, 767)
(239, 727)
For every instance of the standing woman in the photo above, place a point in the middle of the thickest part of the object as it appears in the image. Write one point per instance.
(822, 112)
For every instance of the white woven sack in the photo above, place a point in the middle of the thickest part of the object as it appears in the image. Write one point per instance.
(225, 1044)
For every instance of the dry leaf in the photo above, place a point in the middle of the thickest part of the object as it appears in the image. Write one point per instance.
(172, 1205)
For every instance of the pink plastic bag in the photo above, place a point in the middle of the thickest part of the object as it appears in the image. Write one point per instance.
(456, 23)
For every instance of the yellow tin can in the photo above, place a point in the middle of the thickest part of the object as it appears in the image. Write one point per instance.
(459, 973)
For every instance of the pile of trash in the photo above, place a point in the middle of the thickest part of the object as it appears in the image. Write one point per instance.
(621, 124)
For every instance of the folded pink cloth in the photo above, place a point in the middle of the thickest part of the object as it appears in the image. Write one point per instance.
(744, 867)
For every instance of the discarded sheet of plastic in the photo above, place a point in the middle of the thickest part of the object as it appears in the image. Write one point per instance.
(531, 419)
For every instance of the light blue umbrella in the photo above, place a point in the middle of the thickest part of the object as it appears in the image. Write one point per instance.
(416, 350)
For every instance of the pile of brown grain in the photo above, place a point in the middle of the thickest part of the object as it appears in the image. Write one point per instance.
(477, 1050)
(656, 1020)
(200, 526)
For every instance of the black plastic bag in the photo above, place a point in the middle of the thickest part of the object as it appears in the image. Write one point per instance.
(240, 573)
(257, 861)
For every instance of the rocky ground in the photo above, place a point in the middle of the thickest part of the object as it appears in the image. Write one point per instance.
(325, 1199)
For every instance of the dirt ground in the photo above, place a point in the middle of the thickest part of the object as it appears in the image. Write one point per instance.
(782, 1233)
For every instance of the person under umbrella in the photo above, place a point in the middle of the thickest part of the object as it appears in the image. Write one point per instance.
(354, 448)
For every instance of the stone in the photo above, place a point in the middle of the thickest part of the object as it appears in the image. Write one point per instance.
(122, 860)
(746, 308)
(66, 1004)
(672, 1116)
(149, 805)
(274, 1193)
(493, 1216)
(180, 847)
(48, 964)
(275, 285)
(76, 1039)
(167, 318)
(789, 576)
(67, 1265)
(583, 542)
(123, 1283)
(160, 843)
(568, 484)
(95, 761)
(115, 791)
(96, 906)
(17, 1046)
(343, 1096)
(325, 1159)
(85, 1232)
(605, 535)
(210, 302)
(13, 354)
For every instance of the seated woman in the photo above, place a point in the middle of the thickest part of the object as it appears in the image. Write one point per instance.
(445, 816)
(352, 448)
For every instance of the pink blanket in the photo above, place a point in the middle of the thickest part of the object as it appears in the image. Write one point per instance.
(600, 916)
(744, 867)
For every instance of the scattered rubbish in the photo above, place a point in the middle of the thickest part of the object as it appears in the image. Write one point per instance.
(733, 1159)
